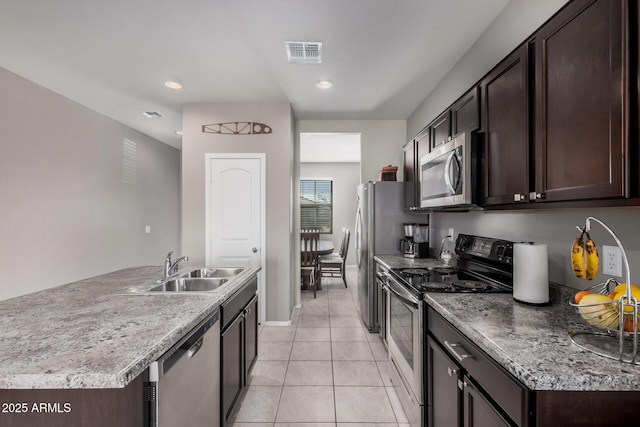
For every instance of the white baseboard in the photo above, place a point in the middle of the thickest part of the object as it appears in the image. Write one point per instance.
(283, 322)
(277, 323)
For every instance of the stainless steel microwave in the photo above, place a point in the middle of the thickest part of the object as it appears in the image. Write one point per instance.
(448, 174)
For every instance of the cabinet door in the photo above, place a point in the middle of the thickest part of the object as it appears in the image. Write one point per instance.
(443, 395)
(465, 113)
(441, 129)
(580, 90)
(410, 162)
(506, 130)
(478, 411)
(231, 370)
(250, 335)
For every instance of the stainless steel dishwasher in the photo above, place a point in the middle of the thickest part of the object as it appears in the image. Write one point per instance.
(184, 384)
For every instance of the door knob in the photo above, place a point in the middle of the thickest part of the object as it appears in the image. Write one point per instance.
(254, 250)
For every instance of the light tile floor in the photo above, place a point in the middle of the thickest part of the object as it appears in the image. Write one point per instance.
(324, 370)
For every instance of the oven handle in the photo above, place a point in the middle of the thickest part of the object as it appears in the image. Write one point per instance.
(407, 300)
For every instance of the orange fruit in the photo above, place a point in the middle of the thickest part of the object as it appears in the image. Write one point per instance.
(579, 296)
(612, 295)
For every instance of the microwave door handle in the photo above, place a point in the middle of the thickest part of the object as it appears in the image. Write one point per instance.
(447, 172)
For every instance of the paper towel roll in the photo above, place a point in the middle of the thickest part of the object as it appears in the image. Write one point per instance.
(530, 273)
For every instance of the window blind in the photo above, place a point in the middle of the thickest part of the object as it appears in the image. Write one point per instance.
(316, 204)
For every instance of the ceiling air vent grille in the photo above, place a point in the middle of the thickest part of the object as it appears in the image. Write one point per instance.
(304, 52)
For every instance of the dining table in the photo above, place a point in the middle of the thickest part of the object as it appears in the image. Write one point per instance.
(325, 247)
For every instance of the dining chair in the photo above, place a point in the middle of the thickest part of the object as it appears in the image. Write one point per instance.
(309, 259)
(335, 266)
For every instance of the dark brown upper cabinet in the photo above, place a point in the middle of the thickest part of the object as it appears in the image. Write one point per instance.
(465, 113)
(413, 152)
(410, 177)
(505, 130)
(441, 129)
(581, 74)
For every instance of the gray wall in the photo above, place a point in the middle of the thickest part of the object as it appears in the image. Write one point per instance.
(278, 147)
(556, 228)
(518, 20)
(346, 177)
(66, 212)
(381, 141)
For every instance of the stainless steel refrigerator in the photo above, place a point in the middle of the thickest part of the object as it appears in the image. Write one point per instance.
(379, 228)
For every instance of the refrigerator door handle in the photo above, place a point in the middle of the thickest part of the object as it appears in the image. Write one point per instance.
(358, 233)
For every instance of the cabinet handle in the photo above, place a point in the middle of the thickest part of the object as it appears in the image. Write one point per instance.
(452, 348)
(517, 197)
(462, 384)
(533, 195)
(452, 371)
(254, 250)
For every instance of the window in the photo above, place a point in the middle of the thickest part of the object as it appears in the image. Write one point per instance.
(316, 204)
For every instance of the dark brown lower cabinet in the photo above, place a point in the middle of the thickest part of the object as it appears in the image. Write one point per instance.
(477, 410)
(238, 346)
(75, 407)
(465, 387)
(453, 399)
(231, 372)
(443, 395)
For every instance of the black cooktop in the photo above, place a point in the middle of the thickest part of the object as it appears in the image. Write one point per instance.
(484, 265)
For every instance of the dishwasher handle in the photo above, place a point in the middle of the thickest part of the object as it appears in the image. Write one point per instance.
(195, 348)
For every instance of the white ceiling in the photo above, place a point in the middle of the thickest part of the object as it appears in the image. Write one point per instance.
(383, 56)
(329, 147)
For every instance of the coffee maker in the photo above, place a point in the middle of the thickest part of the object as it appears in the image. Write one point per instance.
(406, 244)
(421, 240)
(416, 241)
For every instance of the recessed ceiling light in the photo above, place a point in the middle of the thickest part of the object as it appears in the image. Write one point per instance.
(179, 132)
(324, 84)
(152, 114)
(173, 85)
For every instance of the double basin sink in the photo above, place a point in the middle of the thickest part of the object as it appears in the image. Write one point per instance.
(199, 280)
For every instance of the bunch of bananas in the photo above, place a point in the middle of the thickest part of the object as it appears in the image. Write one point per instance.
(584, 257)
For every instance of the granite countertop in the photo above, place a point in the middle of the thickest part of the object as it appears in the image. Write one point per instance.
(530, 342)
(95, 333)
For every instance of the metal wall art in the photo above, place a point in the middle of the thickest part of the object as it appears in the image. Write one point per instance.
(237, 128)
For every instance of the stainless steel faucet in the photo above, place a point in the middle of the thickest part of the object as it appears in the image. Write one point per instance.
(171, 268)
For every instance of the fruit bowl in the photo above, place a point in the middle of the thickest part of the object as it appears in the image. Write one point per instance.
(602, 305)
(615, 314)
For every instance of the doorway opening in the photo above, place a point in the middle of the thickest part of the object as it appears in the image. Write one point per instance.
(329, 177)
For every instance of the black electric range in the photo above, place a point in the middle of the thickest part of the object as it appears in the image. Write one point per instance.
(484, 265)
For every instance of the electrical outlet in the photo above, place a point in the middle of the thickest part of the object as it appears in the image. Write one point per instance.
(612, 260)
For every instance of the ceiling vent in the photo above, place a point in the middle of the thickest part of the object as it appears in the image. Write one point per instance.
(152, 114)
(304, 52)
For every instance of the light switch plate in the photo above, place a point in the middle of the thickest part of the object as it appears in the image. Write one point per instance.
(147, 229)
(612, 260)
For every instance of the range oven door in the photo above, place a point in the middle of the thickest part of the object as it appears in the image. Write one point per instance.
(445, 174)
(404, 339)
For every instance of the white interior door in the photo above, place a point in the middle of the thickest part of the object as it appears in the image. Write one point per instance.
(235, 216)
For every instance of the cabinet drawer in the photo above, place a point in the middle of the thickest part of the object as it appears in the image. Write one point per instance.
(492, 378)
(236, 303)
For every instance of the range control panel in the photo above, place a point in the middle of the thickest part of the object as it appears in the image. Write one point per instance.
(485, 247)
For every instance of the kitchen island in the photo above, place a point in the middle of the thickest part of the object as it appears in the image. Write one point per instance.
(91, 342)
(531, 344)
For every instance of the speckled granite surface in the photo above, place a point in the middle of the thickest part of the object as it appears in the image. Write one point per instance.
(530, 342)
(95, 334)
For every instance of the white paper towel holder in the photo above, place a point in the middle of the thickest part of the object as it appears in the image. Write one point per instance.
(531, 287)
